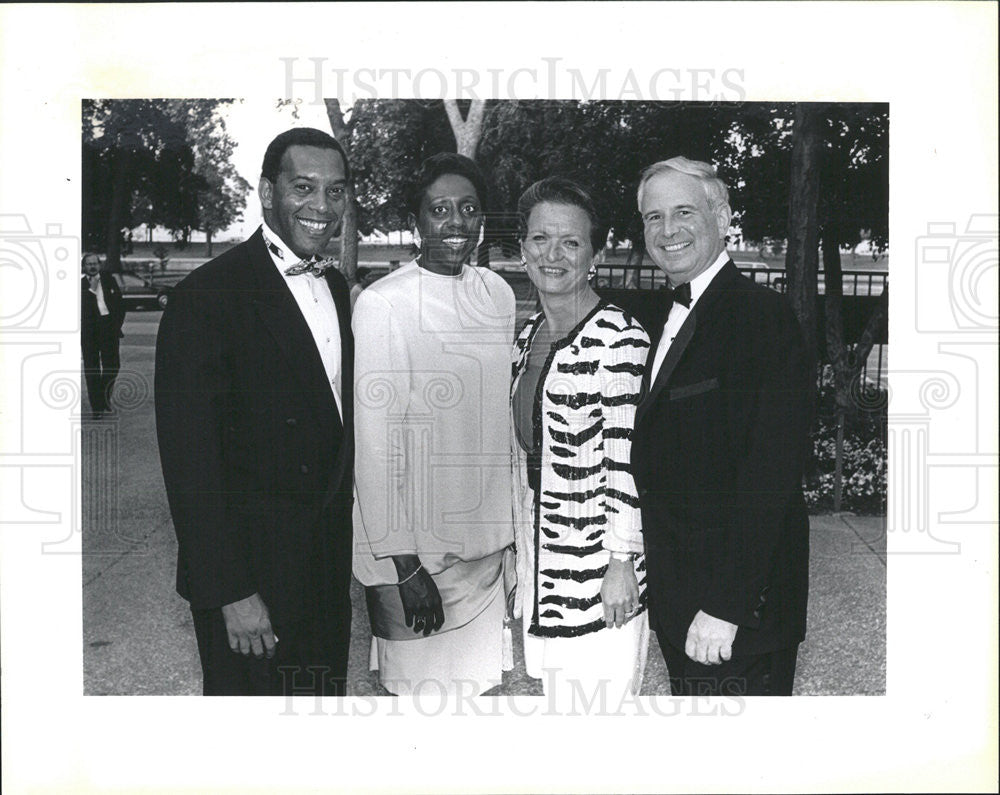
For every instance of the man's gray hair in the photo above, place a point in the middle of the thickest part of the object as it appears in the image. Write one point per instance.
(715, 188)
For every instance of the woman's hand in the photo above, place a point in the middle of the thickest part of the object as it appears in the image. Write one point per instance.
(619, 593)
(422, 608)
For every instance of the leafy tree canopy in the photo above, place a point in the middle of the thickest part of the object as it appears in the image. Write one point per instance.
(161, 162)
(605, 146)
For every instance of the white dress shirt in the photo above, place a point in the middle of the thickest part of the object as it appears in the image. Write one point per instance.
(679, 312)
(97, 289)
(315, 301)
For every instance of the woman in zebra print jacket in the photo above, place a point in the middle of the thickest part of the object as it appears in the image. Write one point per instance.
(576, 380)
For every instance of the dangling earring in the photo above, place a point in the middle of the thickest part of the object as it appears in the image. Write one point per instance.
(592, 272)
(524, 262)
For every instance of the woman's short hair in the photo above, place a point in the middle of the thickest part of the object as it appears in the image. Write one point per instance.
(299, 136)
(715, 188)
(560, 190)
(437, 166)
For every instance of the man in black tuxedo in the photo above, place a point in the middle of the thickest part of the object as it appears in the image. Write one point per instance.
(718, 452)
(254, 421)
(102, 313)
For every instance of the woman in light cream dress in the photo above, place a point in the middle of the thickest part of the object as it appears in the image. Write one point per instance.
(433, 478)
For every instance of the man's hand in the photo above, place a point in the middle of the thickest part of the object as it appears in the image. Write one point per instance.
(249, 627)
(422, 608)
(710, 639)
(619, 593)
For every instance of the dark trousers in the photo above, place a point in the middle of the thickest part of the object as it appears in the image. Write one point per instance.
(310, 658)
(770, 674)
(100, 361)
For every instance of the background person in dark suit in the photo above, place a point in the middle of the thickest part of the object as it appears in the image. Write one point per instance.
(718, 452)
(102, 313)
(254, 420)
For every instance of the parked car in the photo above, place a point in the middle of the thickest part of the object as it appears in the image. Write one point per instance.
(142, 290)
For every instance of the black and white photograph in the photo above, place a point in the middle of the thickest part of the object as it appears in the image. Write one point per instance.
(371, 382)
(488, 506)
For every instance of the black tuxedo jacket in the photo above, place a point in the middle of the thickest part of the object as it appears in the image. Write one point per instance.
(89, 313)
(256, 460)
(717, 456)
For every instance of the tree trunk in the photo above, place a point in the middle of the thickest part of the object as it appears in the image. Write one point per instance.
(636, 254)
(208, 242)
(802, 256)
(116, 216)
(349, 239)
(846, 363)
(866, 341)
(837, 354)
(847, 360)
(837, 350)
(630, 278)
(349, 223)
(467, 133)
(469, 130)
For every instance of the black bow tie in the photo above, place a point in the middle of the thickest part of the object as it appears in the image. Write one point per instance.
(680, 294)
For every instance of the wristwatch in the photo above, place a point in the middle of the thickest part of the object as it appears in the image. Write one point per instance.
(623, 557)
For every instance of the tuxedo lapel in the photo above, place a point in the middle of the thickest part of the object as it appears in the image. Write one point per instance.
(677, 348)
(345, 452)
(655, 333)
(695, 319)
(342, 300)
(280, 314)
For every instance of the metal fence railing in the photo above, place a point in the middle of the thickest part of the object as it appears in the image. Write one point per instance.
(649, 277)
(859, 287)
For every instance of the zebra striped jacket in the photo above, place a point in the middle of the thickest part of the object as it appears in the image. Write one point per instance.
(585, 505)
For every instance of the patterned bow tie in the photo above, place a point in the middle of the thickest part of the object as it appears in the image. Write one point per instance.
(681, 294)
(316, 267)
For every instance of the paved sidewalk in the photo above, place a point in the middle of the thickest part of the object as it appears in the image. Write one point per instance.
(138, 637)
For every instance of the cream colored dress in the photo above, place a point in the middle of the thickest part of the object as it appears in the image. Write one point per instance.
(432, 471)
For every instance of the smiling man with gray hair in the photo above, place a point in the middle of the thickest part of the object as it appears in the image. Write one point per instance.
(718, 452)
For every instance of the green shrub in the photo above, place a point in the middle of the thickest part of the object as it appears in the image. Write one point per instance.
(864, 455)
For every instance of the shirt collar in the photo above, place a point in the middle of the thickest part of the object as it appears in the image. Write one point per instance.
(700, 282)
(285, 256)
